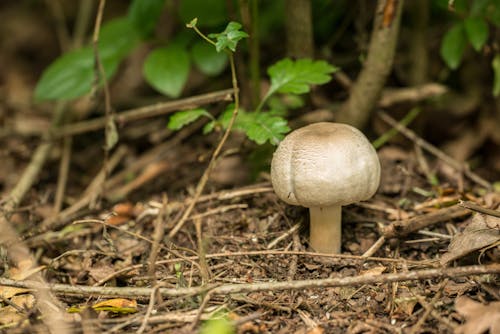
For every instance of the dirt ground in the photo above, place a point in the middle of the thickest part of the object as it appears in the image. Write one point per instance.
(421, 256)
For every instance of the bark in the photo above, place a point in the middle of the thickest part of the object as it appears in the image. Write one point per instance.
(418, 49)
(299, 31)
(370, 82)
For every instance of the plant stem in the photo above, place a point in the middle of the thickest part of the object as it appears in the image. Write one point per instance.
(325, 232)
(254, 52)
(211, 164)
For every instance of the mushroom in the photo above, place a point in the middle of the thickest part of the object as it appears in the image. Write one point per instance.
(323, 166)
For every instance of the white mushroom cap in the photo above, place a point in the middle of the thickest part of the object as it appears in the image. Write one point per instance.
(325, 164)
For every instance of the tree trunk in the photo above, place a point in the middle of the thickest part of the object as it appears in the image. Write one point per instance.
(299, 31)
(370, 82)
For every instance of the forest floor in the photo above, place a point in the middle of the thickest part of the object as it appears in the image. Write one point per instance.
(111, 239)
(242, 255)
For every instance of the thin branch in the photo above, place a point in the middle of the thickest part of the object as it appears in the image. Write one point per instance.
(192, 260)
(215, 154)
(366, 91)
(142, 113)
(404, 227)
(474, 207)
(463, 168)
(159, 231)
(226, 289)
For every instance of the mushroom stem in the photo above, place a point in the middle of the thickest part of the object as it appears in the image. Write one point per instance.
(325, 229)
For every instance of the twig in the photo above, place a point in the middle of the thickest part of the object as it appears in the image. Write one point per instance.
(82, 22)
(285, 235)
(110, 131)
(375, 247)
(204, 267)
(151, 304)
(416, 328)
(463, 168)
(159, 232)
(53, 222)
(404, 227)
(292, 269)
(203, 304)
(50, 308)
(474, 207)
(410, 94)
(142, 113)
(385, 137)
(366, 91)
(215, 154)
(260, 253)
(63, 174)
(226, 289)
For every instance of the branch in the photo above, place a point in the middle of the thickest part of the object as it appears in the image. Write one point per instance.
(460, 167)
(225, 289)
(142, 113)
(368, 87)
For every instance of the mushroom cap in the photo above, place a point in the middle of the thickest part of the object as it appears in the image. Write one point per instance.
(325, 164)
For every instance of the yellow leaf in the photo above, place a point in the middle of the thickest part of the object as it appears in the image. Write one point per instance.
(117, 305)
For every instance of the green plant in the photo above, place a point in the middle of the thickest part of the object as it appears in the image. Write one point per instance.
(472, 28)
(166, 68)
(287, 77)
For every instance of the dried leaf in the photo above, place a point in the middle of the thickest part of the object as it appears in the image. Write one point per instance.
(22, 271)
(477, 235)
(117, 220)
(9, 315)
(124, 209)
(375, 271)
(406, 301)
(117, 305)
(479, 318)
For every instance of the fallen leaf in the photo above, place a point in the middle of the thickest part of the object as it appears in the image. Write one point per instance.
(22, 271)
(124, 209)
(479, 318)
(406, 301)
(117, 305)
(375, 271)
(476, 235)
(117, 220)
(9, 315)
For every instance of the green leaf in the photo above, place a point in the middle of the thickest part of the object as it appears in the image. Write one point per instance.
(263, 127)
(453, 46)
(167, 69)
(217, 326)
(183, 118)
(144, 14)
(72, 74)
(117, 39)
(210, 13)
(495, 64)
(296, 77)
(209, 127)
(259, 127)
(229, 37)
(477, 31)
(207, 59)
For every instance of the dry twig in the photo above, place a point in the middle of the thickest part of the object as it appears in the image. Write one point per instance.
(225, 289)
(143, 112)
(434, 150)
